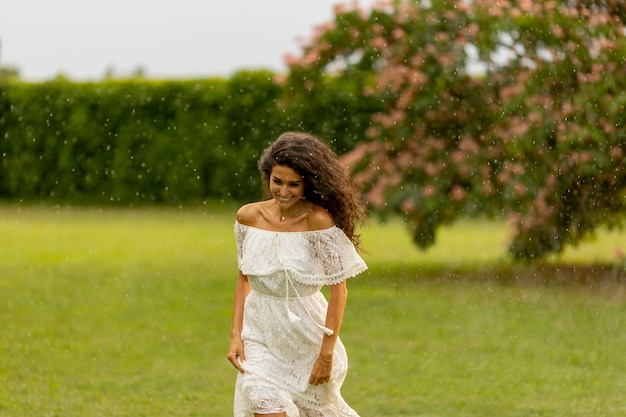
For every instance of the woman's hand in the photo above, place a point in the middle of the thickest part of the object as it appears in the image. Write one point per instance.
(235, 354)
(322, 369)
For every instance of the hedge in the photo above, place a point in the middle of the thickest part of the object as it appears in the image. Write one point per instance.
(134, 141)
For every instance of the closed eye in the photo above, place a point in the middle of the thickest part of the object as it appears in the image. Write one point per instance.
(294, 184)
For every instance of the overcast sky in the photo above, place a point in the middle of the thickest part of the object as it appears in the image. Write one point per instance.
(83, 39)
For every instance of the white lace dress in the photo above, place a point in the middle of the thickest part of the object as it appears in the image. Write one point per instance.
(284, 315)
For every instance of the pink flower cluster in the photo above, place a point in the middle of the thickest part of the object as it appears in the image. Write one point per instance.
(538, 136)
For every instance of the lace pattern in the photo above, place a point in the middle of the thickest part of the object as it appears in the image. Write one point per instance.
(286, 272)
(321, 257)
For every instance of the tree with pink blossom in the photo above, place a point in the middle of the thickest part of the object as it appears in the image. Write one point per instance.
(509, 108)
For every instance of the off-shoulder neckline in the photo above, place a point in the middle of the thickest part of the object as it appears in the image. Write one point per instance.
(286, 232)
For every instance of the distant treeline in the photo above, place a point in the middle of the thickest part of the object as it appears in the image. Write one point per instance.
(145, 141)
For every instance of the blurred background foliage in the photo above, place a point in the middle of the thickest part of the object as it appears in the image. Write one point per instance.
(145, 141)
(441, 109)
(511, 108)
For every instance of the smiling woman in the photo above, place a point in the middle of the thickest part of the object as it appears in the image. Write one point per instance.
(287, 187)
(326, 183)
(284, 338)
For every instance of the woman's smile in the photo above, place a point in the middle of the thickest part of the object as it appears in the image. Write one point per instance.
(286, 185)
(284, 200)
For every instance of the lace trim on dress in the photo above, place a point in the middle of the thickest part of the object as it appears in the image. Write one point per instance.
(291, 266)
(320, 257)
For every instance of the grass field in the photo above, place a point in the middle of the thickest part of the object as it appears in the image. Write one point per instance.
(126, 312)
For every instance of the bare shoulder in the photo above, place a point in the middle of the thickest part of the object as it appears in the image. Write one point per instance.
(249, 213)
(320, 219)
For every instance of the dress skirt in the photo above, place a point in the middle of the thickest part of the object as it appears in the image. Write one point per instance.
(279, 359)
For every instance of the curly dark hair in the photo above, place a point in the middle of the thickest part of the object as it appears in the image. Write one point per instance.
(326, 182)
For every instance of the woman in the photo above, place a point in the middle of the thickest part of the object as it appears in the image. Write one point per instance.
(285, 335)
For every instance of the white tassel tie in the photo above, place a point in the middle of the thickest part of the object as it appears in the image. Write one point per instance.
(294, 318)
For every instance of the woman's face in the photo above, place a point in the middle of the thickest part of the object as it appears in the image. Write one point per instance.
(286, 186)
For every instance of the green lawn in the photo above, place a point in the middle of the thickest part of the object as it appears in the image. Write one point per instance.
(126, 312)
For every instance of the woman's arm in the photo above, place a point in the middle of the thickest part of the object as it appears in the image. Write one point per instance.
(235, 352)
(334, 317)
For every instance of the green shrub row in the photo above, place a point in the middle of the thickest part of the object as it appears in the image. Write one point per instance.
(134, 141)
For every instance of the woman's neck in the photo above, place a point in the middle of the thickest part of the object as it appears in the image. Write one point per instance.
(295, 211)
